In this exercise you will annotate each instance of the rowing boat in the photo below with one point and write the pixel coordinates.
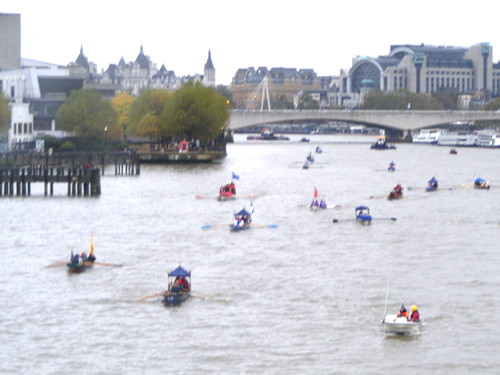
(179, 286)
(363, 215)
(242, 220)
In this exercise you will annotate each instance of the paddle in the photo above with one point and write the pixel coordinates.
(375, 218)
(210, 297)
(151, 296)
(214, 226)
(56, 264)
(107, 264)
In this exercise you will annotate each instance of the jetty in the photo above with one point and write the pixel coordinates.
(80, 181)
(124, 162)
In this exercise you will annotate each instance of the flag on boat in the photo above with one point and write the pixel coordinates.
(235, 176)
(92, 244)
(315, 193)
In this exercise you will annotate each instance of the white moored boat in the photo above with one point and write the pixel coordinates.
(458, 139)
(428, 136)
(400, 325)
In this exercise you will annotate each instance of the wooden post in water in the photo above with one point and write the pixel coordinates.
(95, 181)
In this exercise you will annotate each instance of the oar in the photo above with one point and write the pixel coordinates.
(213, 226)
(107, 264)
(151, 296)
(385, 218)
(56, 264)
(210, 297)
(264, 226)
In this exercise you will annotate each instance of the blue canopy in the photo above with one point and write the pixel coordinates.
(432, 180)
(243, 212)
(479, 180)
(362, 208)
(179, 271)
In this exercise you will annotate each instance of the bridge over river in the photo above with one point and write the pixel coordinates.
(401, 122)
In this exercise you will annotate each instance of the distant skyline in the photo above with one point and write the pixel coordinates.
(318, 34)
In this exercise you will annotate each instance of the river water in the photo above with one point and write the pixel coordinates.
(306, 297)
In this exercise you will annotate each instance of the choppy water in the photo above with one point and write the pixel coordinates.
(304, 298)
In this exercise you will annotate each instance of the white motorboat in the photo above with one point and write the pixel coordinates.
(428, 136)
(400, 325)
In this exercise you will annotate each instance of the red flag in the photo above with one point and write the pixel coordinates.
(315, 193)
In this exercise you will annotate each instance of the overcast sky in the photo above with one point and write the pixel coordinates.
(323, 35)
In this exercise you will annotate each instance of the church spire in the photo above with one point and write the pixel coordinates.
(209, 71)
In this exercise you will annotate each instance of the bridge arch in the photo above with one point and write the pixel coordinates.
(399, 121)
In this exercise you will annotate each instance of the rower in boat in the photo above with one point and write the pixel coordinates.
(242, 219)
(310, 158)
(179, 286)
(363, 215)
(391, 167)
(480, 183)
(432, 184)
(317, 204)
(318, 150)
(80, 262)
(227, 191)
(453, 151)
(396, 193)
(403, 323)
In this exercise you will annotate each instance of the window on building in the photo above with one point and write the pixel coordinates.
(14, 129)
(12, 91)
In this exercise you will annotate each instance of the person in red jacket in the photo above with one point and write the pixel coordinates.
(415, 315)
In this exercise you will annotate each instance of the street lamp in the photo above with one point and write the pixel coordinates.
(105, 138)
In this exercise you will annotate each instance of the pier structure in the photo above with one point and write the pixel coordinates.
(80, 181)
(125, 163)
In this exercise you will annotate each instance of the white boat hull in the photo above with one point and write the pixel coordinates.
(400, 325)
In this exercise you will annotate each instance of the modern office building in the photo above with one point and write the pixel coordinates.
(423, 69)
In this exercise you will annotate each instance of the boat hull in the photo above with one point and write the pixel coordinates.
(226, 197)
(174, 298)
(237, 228)
(78, 268)
(393, 324)
(364, 219)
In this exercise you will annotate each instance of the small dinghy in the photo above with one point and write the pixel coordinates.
(402, 323)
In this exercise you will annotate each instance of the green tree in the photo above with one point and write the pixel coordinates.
(89, 116)
(448, 98)
(281, 102)
(306, 101)
(493, 105)
(224, 91)
(4, 114)
(196, 111)
(145, 114)
(400, 99)
(122, 104)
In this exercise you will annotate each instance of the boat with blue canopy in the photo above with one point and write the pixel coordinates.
(432, 185)
(481, 183)
(179, 286)
(363, 215)
(242, 219)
